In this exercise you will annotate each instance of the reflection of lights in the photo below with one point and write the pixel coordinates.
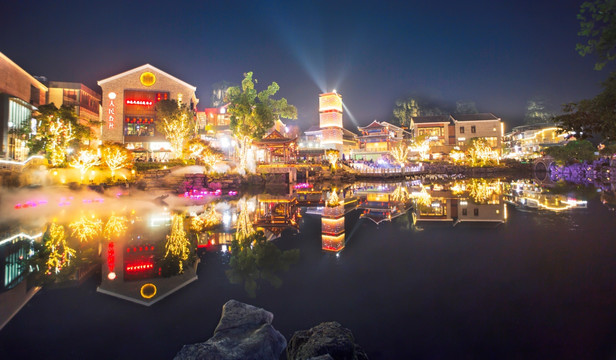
(160, 219)
(148, 291)
(243, 227)
(226, 218)
(116, 226)
(223, 248)
(85, 229)
(21, 235)
(59, 251)
(333, 200)
(177, 243)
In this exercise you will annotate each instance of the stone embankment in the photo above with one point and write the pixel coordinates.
(246, 332)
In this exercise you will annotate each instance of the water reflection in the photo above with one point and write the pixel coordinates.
(145, 253)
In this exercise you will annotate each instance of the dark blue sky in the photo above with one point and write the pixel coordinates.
(498, 54)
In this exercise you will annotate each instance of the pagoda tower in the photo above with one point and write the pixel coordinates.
(330, 120)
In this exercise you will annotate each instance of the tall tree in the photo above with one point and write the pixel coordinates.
(177, 123)
(219, 93)
(536, 112)
(253, 113)
(598, 25)
(595, 116)
(56, 131)
(466, 107)
(415, 106)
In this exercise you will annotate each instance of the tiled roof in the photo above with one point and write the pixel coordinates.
(474, 117)
(431, 119)
(373, 125)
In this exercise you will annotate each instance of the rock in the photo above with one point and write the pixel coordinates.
(328, 338)
(244, 332)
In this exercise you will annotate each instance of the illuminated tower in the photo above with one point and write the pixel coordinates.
(330, 120)
(332, 228)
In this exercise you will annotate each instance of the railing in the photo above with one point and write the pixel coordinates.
(365, 169)
(17, 165)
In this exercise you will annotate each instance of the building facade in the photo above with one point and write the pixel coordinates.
(129, 106)
(84, 100)
(447, 132)
(20, 95)
(527, 141)
(379, 138)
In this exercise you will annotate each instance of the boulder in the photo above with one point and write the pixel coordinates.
(326, 339)
(244, 332)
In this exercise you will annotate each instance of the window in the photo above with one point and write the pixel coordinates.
(464, 212)
(461, 129)
(476, 212)
(473, 129)
(134, 126)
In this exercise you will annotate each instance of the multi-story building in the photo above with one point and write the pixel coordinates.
(378, 138)
(448, 131)
(330, 134)
(527, 141)
(482, 125)
(20, 94)
(84, 100)
(129, 107)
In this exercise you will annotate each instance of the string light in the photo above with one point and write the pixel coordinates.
(59, 251)
(59, 135)
(177, 244)
(115, 226)
(85, 229)
(332, 200)
(84, 161)
(400, 154)
(176, 131)
(115, 157)
(243, 227)
(332, 157)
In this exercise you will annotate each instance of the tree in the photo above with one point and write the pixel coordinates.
(201, 150)
(253, 113)
(596, 116)
(177, 124)
(481, 153)
(84, 160)
(405, 110)
(400, 153)
(332, 156)
(574, 151)
(116, 156)
(410, 107)
(536, 113)
(598, 24)
(56, 131)
(219, 92)
(466, 107)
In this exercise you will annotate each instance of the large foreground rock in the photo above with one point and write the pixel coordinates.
(327, 340)
(244, 332)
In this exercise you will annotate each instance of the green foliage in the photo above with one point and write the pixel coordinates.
(598, 25)
(252, 112)
(46, 114)
(574, 151)
(255, 258)
(596, 116)
(415, 106)
(144, 166)
(536, 112)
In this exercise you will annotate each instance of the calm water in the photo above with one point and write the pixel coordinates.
(466, 269)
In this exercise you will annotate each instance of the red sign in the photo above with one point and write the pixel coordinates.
(139, 102)
(111, 113)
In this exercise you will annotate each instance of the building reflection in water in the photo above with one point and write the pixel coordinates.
(137, 264)
(150, 260)
(525, 194)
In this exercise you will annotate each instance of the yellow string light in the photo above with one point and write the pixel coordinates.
(85, 229)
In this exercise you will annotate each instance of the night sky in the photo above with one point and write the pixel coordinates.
(497, 54)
